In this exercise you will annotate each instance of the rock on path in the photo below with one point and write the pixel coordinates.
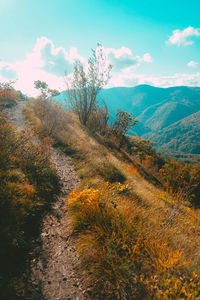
(53, 273)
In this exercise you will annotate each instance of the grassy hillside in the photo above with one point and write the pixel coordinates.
(136, 239)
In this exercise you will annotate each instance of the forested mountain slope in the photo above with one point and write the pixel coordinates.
(183, 136)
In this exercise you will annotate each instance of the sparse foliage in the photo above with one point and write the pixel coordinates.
(183, 179)
(46, 93)
(123, 122)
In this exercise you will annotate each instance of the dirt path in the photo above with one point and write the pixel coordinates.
(53, 267)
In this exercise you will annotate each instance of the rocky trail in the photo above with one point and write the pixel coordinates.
(53, 267)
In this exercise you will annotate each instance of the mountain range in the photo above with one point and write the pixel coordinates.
(170, 117)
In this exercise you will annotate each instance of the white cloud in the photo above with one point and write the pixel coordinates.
(182, 37)
(122, 59)
(132, 79)
(193, 64)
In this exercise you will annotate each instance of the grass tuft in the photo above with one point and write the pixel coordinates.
(110, 173)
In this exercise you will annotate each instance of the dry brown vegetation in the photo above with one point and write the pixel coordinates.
(8, 95)
(137, 240)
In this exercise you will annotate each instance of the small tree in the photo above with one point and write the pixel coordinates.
(46, 93)
(123, 122)
(8, 95)
(86, 83)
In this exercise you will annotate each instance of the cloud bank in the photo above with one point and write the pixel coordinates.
(178, 79)
(183, 37)
(49, 63)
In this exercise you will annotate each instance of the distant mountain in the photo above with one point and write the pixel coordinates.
(154, 107)
(166, 115)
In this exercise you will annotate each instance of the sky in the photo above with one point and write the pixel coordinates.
(147, 42)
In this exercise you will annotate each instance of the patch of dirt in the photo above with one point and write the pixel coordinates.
(53, 267)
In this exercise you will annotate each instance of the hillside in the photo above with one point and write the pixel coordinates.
(134, 238)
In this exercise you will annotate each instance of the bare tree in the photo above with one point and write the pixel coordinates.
(86, 83)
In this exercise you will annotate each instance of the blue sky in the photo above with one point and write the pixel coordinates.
(153, 42)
